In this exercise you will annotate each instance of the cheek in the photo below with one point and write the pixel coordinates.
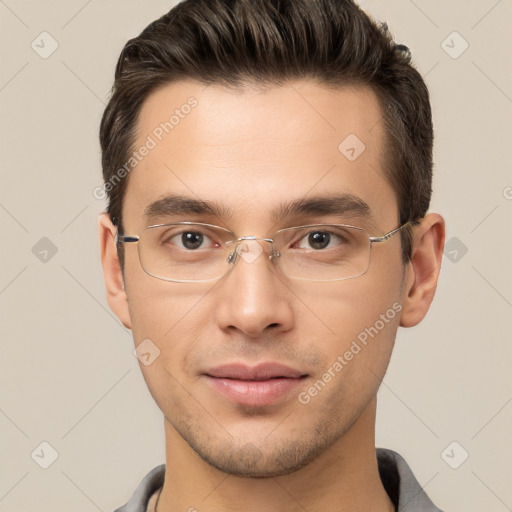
(158, 309)
(343, 309)
(355, 323)
(173, 317)
(355, 360)
(169, 323)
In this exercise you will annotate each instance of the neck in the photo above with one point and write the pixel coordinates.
(344, 478)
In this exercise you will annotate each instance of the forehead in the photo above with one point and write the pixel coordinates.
(251, 151)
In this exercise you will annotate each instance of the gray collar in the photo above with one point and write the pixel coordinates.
(397, 478)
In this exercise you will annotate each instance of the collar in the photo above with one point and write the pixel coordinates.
(396, 475)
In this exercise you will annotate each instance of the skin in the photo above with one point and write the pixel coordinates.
(250, 151)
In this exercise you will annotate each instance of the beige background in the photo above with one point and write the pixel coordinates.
(68, 376)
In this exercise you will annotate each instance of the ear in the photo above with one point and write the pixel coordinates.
(114, 281)
(422, 272)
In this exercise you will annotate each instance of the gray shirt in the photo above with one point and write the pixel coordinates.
(398, 480)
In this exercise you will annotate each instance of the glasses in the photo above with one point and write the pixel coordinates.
(185, 252)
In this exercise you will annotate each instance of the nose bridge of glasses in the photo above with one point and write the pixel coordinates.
(249, 252)
(253, 237)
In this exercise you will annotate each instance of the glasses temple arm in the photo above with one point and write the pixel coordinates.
(391, 233)
(120, 239)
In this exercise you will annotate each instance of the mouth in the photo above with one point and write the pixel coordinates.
(254, 386)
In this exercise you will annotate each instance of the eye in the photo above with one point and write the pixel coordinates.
(188, 240)
(319, 240)
(192, 239)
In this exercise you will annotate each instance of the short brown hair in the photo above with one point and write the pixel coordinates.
(271, 42)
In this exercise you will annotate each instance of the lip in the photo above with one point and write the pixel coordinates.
(254, 386)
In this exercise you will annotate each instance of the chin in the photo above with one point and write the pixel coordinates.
(261, 460)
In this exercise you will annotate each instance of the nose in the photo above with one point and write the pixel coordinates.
(254, 297)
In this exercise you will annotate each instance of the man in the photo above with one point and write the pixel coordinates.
(269, 166)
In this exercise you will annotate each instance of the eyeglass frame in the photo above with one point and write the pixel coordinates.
(120, 239)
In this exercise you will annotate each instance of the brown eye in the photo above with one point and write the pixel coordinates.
(319, 240)
(192, 239)
(186, 240)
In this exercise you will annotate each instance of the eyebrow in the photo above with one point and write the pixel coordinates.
(344, 205)
(180, 205)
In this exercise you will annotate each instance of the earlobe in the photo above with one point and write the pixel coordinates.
(422, 272)
(114, 282)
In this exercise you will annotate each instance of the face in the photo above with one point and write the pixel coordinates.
(260, 373)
